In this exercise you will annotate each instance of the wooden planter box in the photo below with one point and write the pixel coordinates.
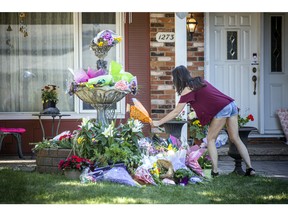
(47, 160)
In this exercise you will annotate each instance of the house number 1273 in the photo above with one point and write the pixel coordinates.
(165, 36)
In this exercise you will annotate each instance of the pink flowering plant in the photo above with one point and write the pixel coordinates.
(74, 162)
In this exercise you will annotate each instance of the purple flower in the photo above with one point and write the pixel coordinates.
(107, 36)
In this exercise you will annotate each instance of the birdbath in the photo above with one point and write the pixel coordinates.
(102, 99)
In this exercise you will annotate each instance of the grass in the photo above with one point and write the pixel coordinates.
(19, 187)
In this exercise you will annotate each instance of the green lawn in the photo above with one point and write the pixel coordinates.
(18, 187)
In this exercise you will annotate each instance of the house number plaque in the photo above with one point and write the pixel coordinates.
(165, 37)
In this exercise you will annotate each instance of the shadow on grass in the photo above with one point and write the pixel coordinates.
(20, 187)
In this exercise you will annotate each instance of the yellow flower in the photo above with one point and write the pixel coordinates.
(80, 140)
(118, 39)
(100, 44)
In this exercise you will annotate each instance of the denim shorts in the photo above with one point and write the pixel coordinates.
(228, 111)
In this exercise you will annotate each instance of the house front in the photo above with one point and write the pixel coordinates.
(242, 54)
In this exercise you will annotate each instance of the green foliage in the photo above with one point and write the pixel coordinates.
(66, 144)
(181, 173)
(111, 144)
(242, 121)
(205, 161)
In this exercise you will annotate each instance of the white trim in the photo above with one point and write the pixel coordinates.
(206, 47)
(181, 59)
(261, 76)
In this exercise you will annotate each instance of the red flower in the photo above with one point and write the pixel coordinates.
(250, 117)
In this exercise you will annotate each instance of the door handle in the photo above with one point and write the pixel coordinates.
(254, 79)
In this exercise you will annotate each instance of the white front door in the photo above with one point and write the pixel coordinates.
(275, 69)
(233, 59)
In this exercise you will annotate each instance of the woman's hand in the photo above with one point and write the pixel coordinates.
(155, 123)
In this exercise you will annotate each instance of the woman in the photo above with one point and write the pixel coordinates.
(211, 106)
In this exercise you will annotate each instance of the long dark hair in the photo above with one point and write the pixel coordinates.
(182, 78)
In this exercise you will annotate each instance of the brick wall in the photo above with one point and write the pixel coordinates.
(162, 61)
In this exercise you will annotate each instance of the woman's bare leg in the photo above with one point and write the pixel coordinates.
(233, 131)
(214, 128)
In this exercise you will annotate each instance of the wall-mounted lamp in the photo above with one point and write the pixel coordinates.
(191, 25)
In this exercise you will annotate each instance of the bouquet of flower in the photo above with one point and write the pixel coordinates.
(74, 162)
(103, 42)
(243, 121)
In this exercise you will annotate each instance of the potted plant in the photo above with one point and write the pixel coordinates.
(49, 98)
(182, 176)
(73, 166)
(197, 131)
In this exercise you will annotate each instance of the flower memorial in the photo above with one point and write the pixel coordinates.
(143, 160)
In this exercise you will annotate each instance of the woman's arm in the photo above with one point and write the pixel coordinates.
(173, 114)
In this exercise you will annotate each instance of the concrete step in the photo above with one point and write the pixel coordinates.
(260, 149)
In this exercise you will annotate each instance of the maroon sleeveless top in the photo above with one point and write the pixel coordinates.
(206, 102)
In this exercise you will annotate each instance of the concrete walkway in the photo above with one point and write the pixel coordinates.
(277, 169)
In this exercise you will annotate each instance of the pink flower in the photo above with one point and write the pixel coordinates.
(122, 85)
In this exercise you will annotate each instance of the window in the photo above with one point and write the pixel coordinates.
(276, 44)
(232, 45)
(37, 49)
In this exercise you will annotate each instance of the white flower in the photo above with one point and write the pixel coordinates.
(135, 125)
(108, 132)
(192, 115)
(86, 122)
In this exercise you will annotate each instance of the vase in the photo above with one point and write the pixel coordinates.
(233, 152)
(72, 174)
(174, 127)
(49, 107)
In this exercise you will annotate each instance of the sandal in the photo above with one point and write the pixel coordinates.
(213, 174)
(250, 172)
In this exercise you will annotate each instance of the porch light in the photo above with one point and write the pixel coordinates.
(191, 25)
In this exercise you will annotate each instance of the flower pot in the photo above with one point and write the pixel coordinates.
(72, 174)
(49, 107)
(48, 104)
(174, 128)
(233, 152)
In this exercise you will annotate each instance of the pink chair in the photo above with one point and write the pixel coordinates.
(17, 133)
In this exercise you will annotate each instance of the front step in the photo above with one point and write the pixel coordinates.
(260, 149)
